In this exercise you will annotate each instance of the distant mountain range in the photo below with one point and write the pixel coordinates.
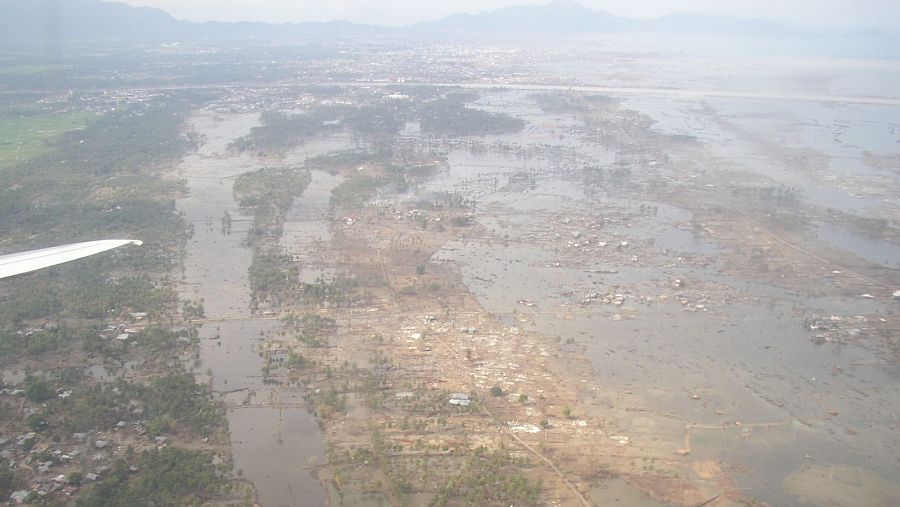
(45, 23)
(36, 23)
(558, 16)
(570, 17)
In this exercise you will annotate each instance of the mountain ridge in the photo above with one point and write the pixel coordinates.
(35, 23)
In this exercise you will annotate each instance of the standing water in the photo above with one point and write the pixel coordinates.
(276, 442)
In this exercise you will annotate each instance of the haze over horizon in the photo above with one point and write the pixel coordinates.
(832, 13)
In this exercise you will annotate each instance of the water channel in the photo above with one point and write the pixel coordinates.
(276, 442)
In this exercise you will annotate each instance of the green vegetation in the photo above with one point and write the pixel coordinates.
(356, 189)
(569, 103)
(385, 119)
(169, 476)
(24, 136)
(51, 295)
(270, 192)
(7, 481)
(273, 277)
(280, 131)
(337, 292)
(329, 402)
(271, 273)
(382, 449)
(348, 159)
(104, 181)
(402, 459)
(360, 186)
(489, 479)
(37, 390)
(15, 344)
(99, 182)
(171, 403)
(451, 117)
(83, 291)
(272, 188)
(178, 397)
(96, 182)
(312, 329)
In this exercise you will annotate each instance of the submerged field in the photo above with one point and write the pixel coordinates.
(502, 293)
(620, 319)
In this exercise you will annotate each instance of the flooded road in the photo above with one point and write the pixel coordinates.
(276, 442)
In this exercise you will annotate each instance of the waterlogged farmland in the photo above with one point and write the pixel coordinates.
(368, 285)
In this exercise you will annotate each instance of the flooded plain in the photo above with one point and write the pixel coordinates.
(718, 366)
(696, 362)
(276, 442)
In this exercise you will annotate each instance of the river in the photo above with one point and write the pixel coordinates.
(276, 441)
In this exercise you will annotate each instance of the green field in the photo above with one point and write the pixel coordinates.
(23, 137)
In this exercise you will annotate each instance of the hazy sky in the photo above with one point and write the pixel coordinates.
(393, 12)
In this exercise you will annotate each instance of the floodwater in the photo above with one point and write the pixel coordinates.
(276, 442)
(770, 402)
(875, 250)
(730, 370)
(306, 227)
(819, 149)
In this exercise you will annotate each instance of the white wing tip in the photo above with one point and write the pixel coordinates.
(26, 262)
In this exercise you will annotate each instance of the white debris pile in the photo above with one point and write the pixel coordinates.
(517, 427)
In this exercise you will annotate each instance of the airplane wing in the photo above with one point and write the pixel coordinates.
(26, 262)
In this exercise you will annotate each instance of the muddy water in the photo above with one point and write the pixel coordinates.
(306, 228)
(276, 442)
(875, 250)
(819, 149)
(730, 365)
